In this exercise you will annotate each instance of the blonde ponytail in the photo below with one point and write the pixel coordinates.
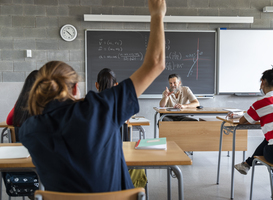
(55, 80)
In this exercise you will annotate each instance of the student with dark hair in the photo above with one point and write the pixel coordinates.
(16, 117)
(20, 113)
(106, 79)
(261, 110)
(76, 144)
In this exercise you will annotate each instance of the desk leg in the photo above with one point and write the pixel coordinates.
(9, 136)
(169, 183)
(141, 131)
(1, 185)
(155, 124)
(232, 165)
(179, 176)
(130, 129)
(220, 151)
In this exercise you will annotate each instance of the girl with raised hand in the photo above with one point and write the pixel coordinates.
(75, 144)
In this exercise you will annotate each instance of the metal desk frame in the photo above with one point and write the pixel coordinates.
(177, 172)
(227, 130)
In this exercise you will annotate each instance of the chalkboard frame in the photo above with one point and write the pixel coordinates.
(159, 95)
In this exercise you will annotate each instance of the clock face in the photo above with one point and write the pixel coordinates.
(68, 32)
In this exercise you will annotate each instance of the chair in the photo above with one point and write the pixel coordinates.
(131, 194)
(9, 132)
(260, 160)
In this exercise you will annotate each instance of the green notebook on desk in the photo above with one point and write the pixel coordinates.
(157, 143)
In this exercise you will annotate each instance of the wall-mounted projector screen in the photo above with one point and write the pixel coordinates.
(243, 56)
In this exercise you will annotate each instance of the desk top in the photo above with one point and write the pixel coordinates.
(141, 121)
(232, 121)
(15, 163)
(174, 155)
(194, 110)
(4, 125)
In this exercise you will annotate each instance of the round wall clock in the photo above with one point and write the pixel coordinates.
(68, 32)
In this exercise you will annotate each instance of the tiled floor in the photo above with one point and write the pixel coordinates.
(200, 178)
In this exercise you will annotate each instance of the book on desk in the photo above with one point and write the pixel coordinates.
(155, 143)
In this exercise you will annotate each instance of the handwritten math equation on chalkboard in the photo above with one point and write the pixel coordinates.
(191, 54)
(174, 60)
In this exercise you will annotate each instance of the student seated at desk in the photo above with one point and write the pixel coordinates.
(261, 110)
(19, 113)
(178, 96)
(106, 79)
(16, 117)
(75, 144)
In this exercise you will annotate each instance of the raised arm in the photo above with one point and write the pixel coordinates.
(154, 61)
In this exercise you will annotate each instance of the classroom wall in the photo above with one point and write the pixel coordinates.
(35, 25)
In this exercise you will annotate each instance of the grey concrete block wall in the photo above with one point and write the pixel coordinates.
(35, 25)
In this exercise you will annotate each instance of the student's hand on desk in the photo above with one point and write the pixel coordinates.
(167, 93)
(180, 106)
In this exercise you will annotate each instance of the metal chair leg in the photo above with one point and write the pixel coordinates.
(252, 178)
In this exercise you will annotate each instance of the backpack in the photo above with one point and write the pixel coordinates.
(21, 183)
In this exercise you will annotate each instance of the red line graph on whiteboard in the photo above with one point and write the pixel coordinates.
(195, 58)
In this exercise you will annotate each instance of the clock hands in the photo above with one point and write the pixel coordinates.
(69, 33)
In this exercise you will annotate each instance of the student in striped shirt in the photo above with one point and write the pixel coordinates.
(261, 110)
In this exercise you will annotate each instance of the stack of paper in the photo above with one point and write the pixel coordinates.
(12, 152)
(138, 120)
(234, 113)
(157, 143)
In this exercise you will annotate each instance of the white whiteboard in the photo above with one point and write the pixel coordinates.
(243, 56)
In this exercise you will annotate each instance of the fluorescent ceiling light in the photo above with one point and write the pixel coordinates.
(268, 9)
(172, 19)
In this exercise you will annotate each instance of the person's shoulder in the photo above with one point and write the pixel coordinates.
(185, 89)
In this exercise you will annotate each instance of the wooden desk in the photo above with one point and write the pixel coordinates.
(164, 112)
(231, 126)
(197, 135)
(168, 159)
(15, 165)
(153, 159)
(137, 123)
(11, 132)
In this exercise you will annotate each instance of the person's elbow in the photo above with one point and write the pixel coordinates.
(159, 63)
(161, 105)
(242, 120)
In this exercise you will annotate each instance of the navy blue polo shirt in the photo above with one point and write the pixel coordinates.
(77, 147)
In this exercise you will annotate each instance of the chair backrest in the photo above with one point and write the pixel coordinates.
(131, 194)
